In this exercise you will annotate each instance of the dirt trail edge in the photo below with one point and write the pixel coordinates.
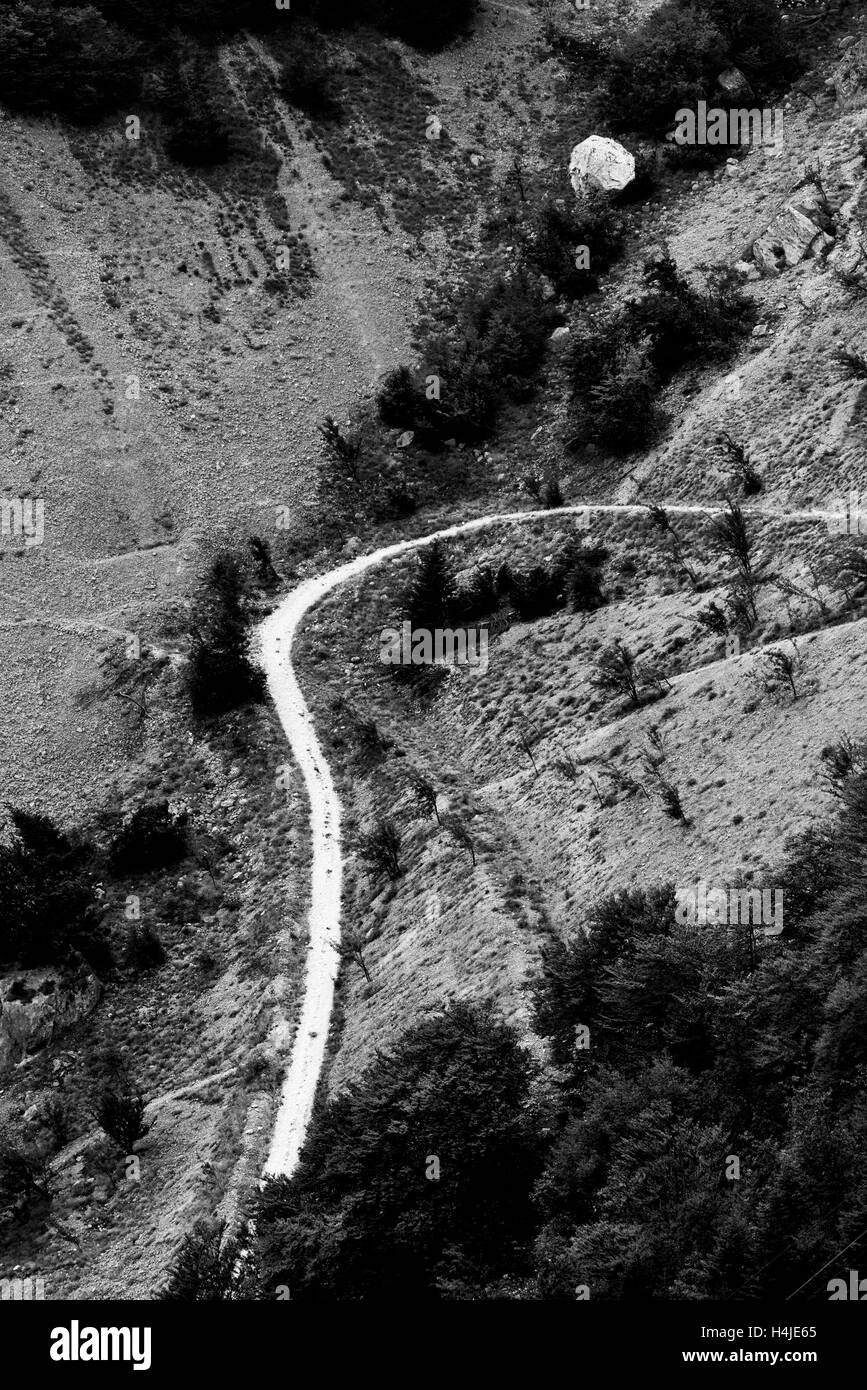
(276, 635)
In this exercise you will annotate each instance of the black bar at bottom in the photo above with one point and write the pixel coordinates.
(449, 1340)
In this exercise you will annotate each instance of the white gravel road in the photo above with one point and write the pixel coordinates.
(276, 635)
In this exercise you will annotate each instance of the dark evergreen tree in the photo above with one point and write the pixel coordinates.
(220, 675)
(416, 1177)
(210, 1267)
(47, 901)
(431, 596)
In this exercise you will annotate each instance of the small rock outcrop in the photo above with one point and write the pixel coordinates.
(849, 78)
(802, 228)
(734, 85)
(36, 1005)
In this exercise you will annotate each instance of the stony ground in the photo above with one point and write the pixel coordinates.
(158, 395)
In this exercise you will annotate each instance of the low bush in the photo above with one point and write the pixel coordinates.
(119, 1110)
(49, 907)
(559, 229)
(674, 58)
(144, 949)
(150, 837)
(621, 359)
(490, 355)
(210, 1267)
(305, 75)
(25, 1173)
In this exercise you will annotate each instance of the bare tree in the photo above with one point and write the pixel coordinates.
(733, 535)
(459, 832)
(847, 570)
(778, 669)
(621, 781)
(841, 760)
(209, 847)
(813, 595)
(127, 680)
(345, 448)
(662, 521)
(25, 1173)
(657, 751)
(526, 738)
(617, 672)
(567, 767)
(351, 947)
(663, 786)
(854, 275)
(595, 785)
(425, 793)
(381, 848)
(738, 459)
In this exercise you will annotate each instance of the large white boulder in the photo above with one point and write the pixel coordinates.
(600, 163)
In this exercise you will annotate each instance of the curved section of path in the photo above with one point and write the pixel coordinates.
(276, 636)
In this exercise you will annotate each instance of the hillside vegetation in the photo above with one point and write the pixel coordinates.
(283, 286)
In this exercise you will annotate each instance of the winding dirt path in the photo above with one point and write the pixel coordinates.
(276, 635)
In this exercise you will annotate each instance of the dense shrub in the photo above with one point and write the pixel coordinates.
(144, 950)
(87, 61)
(668, 63)
(150, 837)
(700, 1136)
(414, 1182)
(211, 1266)
(220, 675)
(196, 103)
(491, 354)
(434, 599)
(727, 1037)
(305, 76)
(47, 902)
(64, 59)
(426, 24)
(558, 229)
(119, 1110)
(682, 324)
(621, 411)
(620, 359)
(674, 58)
